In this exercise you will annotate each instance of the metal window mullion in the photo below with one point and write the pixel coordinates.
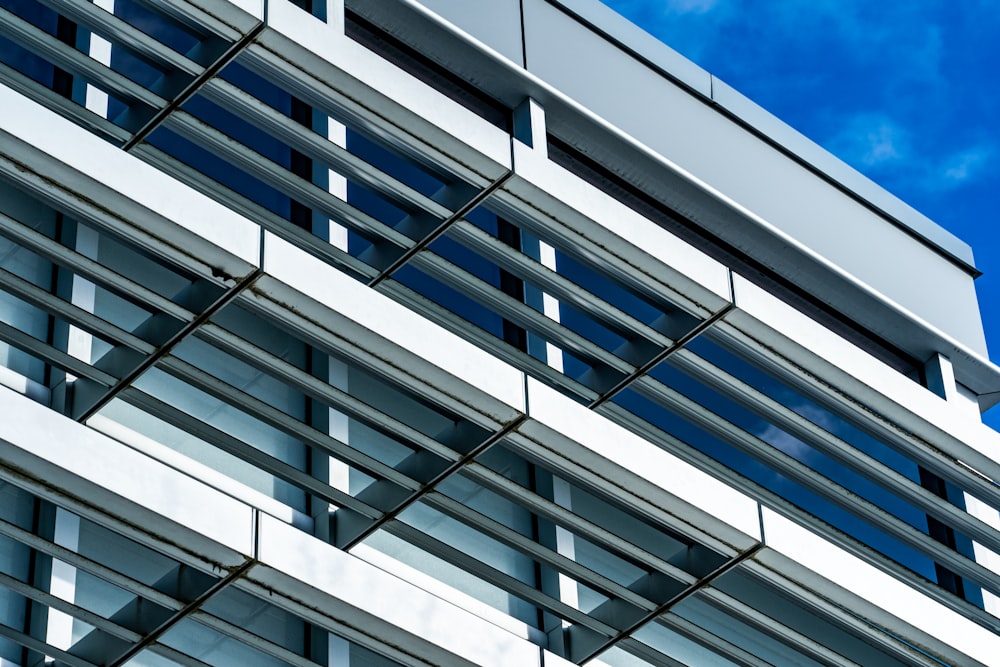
(246, 452)
(554, 284)
(88, 268)
(203, 598)
(123, 34)
(45, 45)
(573, 522)
(566, 239)
(838, 449)
(493, 344)
(282, 179)
(720, 471)
(501, 580)
(790, 467)
(320, 149)
(322, 391)
(280, 420)
(32, 644)
(77, 612)
(53, 356)
(517, 311)
(515, 540)
(84, 319)
(677, 599)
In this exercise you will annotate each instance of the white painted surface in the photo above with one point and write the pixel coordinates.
(393, 322)
(705, 499)
(865, 378)
(847, 572)
(632, 236)
(62, 580)
(145, 185)
(403, 100)
(199, 471)
(93, 459)
(400, 603)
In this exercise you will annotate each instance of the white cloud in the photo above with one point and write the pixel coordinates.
(881, 144)
(887, 151)
(690, 6)
(966, 164)
(871, 140)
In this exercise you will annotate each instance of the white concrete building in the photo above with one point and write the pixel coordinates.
(452, 332)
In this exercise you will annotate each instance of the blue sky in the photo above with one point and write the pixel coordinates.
(904, 91)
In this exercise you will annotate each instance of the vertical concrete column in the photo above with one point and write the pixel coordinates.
(96, 100)
(940, 376)
(338, 425)
(79, 344)
(529, 126)
(62, 583)
(82, 292)
(529, 129)
(333, 371)
(335, 15)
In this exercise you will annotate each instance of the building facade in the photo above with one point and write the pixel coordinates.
(399, 332)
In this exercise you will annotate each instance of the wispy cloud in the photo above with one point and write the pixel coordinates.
(870, 139)
(649, 12)
(968, 164)
(690, 6)
(886, 150)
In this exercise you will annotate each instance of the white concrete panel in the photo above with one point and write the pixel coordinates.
(619, 230)
(844, 572)
(24, 385)
(610, 452)
(443, 350)
(197, 470)
(985, 557)
(550, 659)
(177, 216)
(254, 8)
(415, 613)
(239, 16)
(433, 121)
(441, 589)
(90, 467)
